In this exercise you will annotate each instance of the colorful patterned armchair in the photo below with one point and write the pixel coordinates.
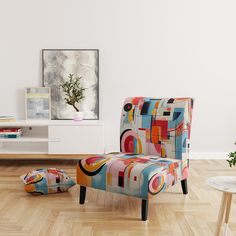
(154, 143)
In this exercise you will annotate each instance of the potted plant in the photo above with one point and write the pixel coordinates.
(74, 93)
(232, 158)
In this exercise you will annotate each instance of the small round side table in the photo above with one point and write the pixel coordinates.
(227, 185)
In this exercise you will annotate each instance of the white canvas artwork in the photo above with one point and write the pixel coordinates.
(37, 103)
(84, 63)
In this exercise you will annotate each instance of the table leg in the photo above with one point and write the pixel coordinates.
(221, 213)
(228, 207)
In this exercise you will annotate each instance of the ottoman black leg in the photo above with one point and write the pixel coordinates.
(184, 186)
(82, 194)
(144, 213)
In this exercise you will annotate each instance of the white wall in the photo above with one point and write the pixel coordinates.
(147, 48)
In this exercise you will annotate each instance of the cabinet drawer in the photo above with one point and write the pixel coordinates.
(84, 139)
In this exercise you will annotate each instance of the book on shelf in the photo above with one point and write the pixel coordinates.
(4, 130)
(7, 119)
(8, 133)
(8, 136)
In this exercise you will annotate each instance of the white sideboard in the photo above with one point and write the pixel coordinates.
(55, 137)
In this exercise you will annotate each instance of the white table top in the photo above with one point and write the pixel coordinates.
(223, 183)
(25, 123)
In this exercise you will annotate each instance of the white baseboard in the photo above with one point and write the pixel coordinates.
(202, 155)
(208, 155)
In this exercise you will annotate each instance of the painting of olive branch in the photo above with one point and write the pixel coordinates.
(73, 77)
(73, 90)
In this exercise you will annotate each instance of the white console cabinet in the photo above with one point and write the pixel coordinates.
(55, 137)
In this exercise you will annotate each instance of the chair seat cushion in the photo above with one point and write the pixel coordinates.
(48, 180)
(136, 175)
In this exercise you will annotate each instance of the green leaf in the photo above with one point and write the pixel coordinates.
(232, 159)
(73, 90)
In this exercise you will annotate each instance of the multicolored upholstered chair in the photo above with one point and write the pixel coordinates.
(154, 143)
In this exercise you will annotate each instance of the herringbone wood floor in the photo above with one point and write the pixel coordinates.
(171, 213)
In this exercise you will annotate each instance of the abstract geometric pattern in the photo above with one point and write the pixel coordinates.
(45, 181)
(157, 126)
(136, 175)
(154, 142)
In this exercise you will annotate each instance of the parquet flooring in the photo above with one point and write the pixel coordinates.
(107, 214)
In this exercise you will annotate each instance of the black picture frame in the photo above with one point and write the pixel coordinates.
(97, 75)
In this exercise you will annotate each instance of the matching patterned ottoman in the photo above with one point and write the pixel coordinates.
(47, 180)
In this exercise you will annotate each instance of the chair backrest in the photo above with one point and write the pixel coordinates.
(155, 126)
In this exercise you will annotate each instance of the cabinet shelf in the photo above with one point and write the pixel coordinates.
(24, 139)
(54, 137)
(21, 151)
(24, 148)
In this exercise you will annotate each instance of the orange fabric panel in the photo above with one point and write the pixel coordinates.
(81, 178)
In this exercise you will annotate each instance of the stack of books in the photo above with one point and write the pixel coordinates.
(7, 119)
(10, 133)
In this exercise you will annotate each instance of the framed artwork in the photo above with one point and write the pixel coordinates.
(38, 104)
(81, 65)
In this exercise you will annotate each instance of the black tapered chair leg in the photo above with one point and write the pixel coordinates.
(184, 186)
(144, 212)
(82, 194)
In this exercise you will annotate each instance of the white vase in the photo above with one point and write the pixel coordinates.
(78, 116)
